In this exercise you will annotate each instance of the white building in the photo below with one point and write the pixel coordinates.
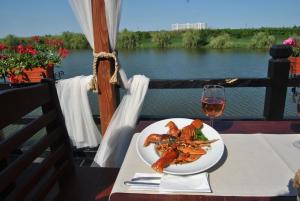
(199, 25)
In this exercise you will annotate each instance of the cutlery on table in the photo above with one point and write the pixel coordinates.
(143, 181)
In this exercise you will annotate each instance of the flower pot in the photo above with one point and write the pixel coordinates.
(295, 65)
(34, 75)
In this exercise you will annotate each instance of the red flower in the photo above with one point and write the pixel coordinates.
(26, 50)
(48, 41)
(31, 50)
(60, 42)
(28, 47)
(2, 47)
(35, 39)
(54, 42)
(33, 53)
(63, 52)
(21, 49)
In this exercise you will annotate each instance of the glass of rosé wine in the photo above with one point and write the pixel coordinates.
(213, 101)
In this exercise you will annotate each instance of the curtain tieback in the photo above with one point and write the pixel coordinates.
(104, 55)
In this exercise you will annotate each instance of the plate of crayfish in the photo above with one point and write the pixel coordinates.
(180, 146)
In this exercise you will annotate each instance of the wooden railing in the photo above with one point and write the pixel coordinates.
(276, 83)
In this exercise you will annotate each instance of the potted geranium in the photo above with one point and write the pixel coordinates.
(31, 61)
(295, 57)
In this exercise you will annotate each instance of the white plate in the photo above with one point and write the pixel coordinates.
(149, 155)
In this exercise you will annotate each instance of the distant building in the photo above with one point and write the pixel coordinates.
(200, 25)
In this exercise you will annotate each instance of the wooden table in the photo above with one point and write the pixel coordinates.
(226, 126)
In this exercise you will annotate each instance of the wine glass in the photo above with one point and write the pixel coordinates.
(297, 143)
(213, 101)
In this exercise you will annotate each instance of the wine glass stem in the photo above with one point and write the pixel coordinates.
(211, 121)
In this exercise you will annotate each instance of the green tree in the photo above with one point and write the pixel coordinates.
(67, 38)
(221, 41)
(262, 40)
(194, 39)
(161, 39)
(142, 36)
(128, 39)
(78, 41)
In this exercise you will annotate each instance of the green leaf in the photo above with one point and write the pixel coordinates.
(199, 135)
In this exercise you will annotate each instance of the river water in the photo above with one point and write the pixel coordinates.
(188, 64)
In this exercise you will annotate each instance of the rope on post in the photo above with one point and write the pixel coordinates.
(104, 55)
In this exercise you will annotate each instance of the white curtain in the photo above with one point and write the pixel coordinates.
(118, 134)
(72, 95)
(83, 12)
(113, 14)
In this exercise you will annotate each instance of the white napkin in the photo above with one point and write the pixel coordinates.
(190, 183)
(175, 183)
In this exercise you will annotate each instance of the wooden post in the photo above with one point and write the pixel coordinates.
(106, 91)
(278, 72)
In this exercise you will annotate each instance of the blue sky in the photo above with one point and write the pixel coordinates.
(40, 17)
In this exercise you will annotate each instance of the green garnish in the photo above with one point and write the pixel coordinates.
(199, 135)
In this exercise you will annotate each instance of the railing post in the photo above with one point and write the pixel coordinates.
(278, 72)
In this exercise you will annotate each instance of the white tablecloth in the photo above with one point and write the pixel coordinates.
(252, 165)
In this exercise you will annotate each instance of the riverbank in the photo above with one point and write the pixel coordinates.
(252, 38)
(177, 42)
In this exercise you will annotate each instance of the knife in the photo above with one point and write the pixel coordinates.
(129, 183)
(145, 178)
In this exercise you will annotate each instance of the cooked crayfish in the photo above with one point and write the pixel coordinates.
(178, 145)
(158, 138)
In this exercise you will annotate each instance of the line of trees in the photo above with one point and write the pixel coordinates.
(71, 40)
(210, 38)
(261, 38)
